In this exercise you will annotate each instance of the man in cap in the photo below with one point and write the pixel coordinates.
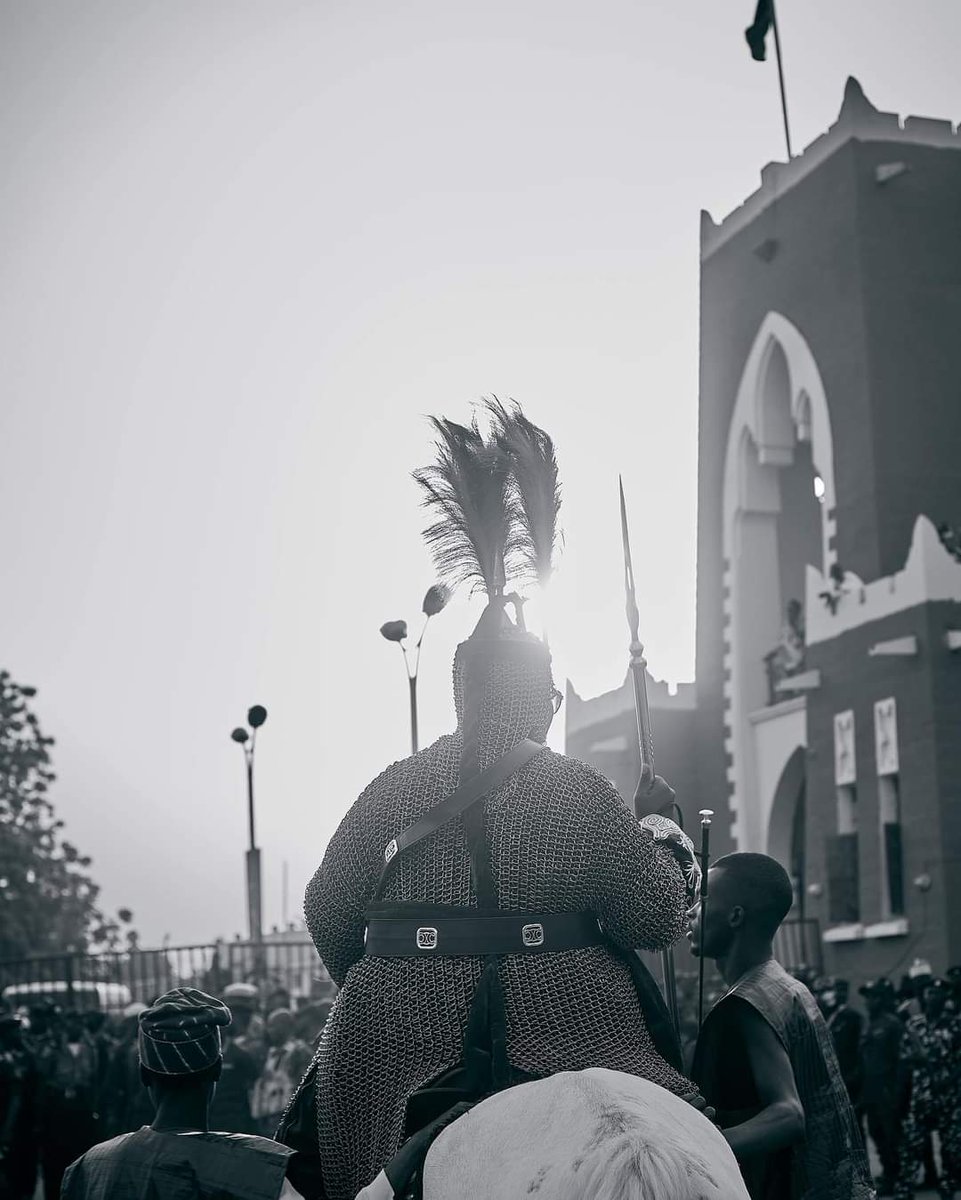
(70, 1100)
(764, 1057)
(18, 1112)
(288, 1058)
(245, 1053)
(243, 999)
(912, 997)
(953, 976)
(845, 1024)
(881, 1075)
(177, 1155)
(934, 1048)
(127, 1102)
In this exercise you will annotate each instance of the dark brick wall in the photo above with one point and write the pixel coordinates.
(674, 751)
(871, 276)
(946, 707)
(927, 689)
(815, 225)
(910, 250)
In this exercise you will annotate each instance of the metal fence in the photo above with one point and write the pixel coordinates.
(111, 981)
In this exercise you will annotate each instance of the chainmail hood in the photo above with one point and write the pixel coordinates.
(503, 692)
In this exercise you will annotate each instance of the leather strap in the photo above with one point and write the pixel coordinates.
(479, 933)
(458, 802)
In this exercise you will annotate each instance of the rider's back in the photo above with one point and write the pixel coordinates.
(560, 840)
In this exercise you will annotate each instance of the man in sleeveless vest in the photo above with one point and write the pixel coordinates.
(765, 1058)
(480, 903)
(178, 1155)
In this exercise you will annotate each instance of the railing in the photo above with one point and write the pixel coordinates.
(111, 981)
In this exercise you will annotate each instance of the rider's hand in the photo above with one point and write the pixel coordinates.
(696, 1100)
(653, 793)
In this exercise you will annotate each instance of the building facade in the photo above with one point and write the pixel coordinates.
(825, 723)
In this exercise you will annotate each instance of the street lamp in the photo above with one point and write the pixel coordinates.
(255, 718)
(435, 601)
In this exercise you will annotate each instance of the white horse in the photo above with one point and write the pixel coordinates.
(579, 1135)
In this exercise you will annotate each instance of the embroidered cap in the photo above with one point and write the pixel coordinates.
(180, 1032)
(242, 995)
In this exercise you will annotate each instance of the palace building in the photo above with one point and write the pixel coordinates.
(824, 725)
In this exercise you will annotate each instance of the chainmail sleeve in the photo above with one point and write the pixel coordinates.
(336, 899)
(638, 885)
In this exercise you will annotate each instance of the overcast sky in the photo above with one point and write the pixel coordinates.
(245, 248)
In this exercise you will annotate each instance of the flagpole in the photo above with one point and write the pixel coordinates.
(780, 76)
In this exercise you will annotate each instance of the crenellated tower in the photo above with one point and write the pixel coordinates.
(829, 437)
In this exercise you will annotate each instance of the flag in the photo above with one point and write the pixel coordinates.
(756, 34)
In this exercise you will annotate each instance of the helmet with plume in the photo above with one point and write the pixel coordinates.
(494, 502)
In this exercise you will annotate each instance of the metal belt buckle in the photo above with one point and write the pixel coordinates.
(533, 935)
(390, 850)
(427, 938)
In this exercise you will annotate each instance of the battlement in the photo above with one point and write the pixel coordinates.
(858, 119)
(930, 574)
(583, 713)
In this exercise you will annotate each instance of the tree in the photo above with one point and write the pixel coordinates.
(48, 902)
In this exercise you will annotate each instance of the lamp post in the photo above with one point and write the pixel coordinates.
(396, 631)
(255, 718)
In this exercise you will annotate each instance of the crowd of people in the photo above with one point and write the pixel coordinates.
(69, 1080)
(480, 908)
(901, 1065)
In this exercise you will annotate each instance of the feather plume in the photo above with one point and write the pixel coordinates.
(534, 482)
(467, 493)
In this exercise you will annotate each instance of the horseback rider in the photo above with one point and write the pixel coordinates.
(481, 902)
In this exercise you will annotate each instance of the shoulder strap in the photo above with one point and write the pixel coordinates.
(461, 799)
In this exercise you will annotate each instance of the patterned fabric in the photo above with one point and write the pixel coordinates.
(148, 1165)
(180, 1033)
(560, 840)
(830, 1164)
(663, 829)
(935, 1047)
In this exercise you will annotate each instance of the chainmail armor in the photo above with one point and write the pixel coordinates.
(561, 840)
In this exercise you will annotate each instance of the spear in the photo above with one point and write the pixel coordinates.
(705, 814)
(645, 736)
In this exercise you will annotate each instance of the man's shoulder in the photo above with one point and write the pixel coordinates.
(440, 759)
(784, 1002)
(103, 1157)
(111, 1149)
(770, 978)
(249, 1141)
(581, 780)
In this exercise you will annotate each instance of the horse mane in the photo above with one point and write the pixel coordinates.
(592, 1133)
(629, 1168)
(625, 1162)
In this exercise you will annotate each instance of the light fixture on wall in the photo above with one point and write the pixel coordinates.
(819, 489)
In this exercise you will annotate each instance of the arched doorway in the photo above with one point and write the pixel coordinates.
(787, 827)
(778, 500)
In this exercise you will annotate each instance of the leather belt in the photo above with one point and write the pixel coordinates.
(479, 933)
